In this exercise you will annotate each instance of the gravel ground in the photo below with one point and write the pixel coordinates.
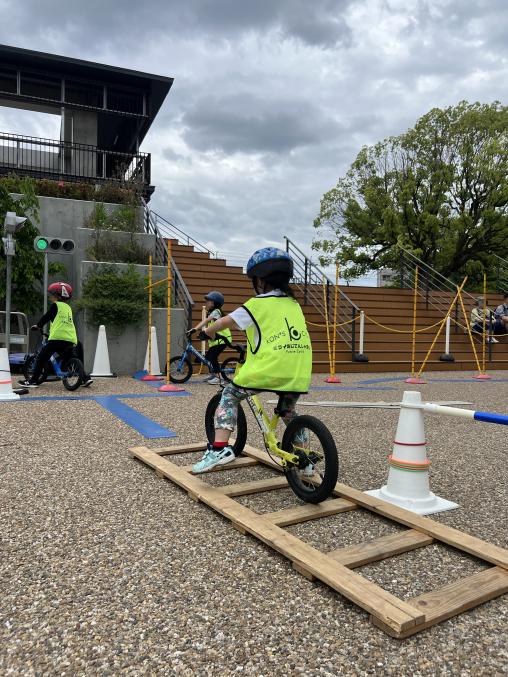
(107, 569)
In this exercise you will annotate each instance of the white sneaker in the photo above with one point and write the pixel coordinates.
(214, 381)
(213, 457)
(491, 339)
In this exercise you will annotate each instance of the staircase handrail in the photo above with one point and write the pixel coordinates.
(312, 278)
(501, 265)
(181, 292)
(181, 236)
(430, 280)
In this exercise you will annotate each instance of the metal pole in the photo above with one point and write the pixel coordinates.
(8, 302)
(362, 329)
(447, 336)
(45, 283)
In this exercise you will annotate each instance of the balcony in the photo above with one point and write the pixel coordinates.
(66, 161)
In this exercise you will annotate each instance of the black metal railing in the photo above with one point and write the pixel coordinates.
(181, 294)
(169, 229)
(435, 289)
(63, 160)
(501, 274)
(319, 291)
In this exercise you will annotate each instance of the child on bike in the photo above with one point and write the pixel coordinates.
(214, 302)
(62, 332)
(279, 353)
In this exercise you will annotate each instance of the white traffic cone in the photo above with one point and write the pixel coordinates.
(153, 369)
(101, 366)
(408, 477)
(6, 392)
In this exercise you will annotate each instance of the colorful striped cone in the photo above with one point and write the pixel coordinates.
(408, 477)
(6, 392)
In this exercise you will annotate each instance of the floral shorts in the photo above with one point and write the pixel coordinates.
(227, 412)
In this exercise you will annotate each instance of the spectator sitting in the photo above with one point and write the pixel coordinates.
(478, 323)
(501, 315)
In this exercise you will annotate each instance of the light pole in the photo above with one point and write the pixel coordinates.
(12, 223)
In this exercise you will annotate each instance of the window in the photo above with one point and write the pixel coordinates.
(8, 80)
(83, 93)
(41, 86)
(125, 100)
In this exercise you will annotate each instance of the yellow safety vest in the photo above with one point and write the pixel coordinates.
(279, 356)
(223, 332)
(62, 328)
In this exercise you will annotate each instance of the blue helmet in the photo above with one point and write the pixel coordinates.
(216, 297)
(269, 260)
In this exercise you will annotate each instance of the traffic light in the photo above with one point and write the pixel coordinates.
(53, 245)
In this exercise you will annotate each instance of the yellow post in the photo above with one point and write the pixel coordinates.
(414, 378)
(441, 325)
(150, 315)
(327, 326)
(168, 345)
(333, 378)
(484, 320)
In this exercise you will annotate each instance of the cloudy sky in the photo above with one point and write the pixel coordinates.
(272, 99)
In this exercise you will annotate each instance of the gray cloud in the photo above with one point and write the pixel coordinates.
(249, 124)
(272, 99)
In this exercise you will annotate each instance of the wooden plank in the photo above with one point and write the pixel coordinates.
(381, 548)
(176, 449)
(458, 539)
(440, 532)
(457, 597)
(393, 612)
(256, 487)
(309, 511)
(240, 462)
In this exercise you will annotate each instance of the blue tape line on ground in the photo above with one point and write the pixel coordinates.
(380, 380)
(487, 417)
(142, 424)
(350, 388)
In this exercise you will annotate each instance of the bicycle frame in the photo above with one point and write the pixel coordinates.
(189, 349)
(268, 427)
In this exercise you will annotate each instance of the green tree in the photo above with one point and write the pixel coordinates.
(27, 265)
(439, 190)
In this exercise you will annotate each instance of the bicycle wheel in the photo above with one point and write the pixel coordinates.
(314, 479)
(28, 370)
(228, 368)
(74, 373)
(241, 424)
(177, 374)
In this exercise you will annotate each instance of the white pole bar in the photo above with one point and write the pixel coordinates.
(362, 329)
(447, 336)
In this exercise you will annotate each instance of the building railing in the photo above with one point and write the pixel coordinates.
(67, 161)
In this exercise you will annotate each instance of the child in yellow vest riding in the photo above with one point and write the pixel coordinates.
(214, 302)
(279, 354)
(62, 332)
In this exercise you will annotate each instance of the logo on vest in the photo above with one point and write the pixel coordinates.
(294, 334)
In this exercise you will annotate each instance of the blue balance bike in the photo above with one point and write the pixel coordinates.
(66, 367)
(180, 368)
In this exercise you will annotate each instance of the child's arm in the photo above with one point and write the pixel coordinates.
(48, 317)
(202, 324)
(225, 322)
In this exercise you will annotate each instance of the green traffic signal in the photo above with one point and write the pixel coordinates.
(42, 244)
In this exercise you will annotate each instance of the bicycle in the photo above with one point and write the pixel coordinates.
(181, 369)
(68, 368)
(307, 454)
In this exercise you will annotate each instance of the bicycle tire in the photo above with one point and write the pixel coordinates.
(73, 370)
(28, 369)
(241, 424)
(229, 365)
(180, 376)
(311, 493)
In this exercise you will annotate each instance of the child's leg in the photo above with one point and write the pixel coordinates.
(286, 406)
(212, 355)
(227, 412)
